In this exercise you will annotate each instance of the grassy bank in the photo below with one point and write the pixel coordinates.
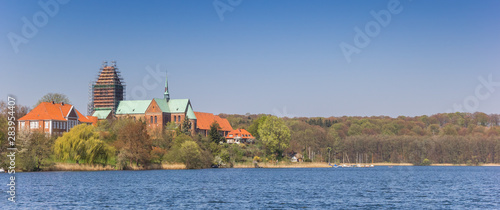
(85, 167)
(78, 167)
(180, 166)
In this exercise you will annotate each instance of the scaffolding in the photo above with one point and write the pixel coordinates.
(90, 105)
(107, 90)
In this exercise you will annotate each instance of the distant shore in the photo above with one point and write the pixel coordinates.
(180, 166)
(325, 165)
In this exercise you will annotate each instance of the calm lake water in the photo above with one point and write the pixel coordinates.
(324, 188)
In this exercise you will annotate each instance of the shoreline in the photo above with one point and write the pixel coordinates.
(325, 165)
(179, 166)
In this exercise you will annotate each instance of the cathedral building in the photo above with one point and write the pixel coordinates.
(156, 112)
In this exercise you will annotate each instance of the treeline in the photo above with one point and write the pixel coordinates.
(457, 138)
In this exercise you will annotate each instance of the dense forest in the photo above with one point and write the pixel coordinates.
(456, 138)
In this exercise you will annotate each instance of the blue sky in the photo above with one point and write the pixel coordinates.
(275, 57)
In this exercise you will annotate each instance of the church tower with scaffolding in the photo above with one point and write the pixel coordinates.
(107, 91)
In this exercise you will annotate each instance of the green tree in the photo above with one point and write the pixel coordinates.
(225, 156)
(35, 149)
(254, 128)
(191, 155)
(186, 126)
(82, 144)
(214, 134)
(354, 130)
(275, 135)
(55, 97)
(174, 154)
(426, 162)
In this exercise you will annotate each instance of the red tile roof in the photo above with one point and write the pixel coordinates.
(241, 133)
(93, 120)
(205, 120)
(50, 111)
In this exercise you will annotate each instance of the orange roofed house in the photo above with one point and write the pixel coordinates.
(205, 120)
(53, 119)
(239, 136)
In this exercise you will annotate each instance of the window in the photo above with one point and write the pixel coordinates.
(151, 120)
(46, 124)
(33, 125)
(230, 135)
(175, 118)
(156, 120)
(22, 124)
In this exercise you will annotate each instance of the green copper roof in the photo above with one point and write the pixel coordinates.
(133, 107)
(178, 105)
(162, 103)
(190, 113)
(101, 114)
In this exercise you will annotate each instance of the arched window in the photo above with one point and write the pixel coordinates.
(175, 118)
(155, 120)
(151, 120)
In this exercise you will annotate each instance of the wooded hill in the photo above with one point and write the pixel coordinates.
(457, 138)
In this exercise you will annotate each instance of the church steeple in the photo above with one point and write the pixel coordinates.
(166, 95)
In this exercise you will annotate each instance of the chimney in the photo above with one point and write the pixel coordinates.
(52, 102)
(62, 103)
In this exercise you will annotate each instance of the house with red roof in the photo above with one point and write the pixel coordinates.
(239, 136)
(54, 118)
(205, 120)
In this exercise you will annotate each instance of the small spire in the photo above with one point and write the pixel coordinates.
(166, 95)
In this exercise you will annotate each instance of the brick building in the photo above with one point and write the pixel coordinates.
(53, 119)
